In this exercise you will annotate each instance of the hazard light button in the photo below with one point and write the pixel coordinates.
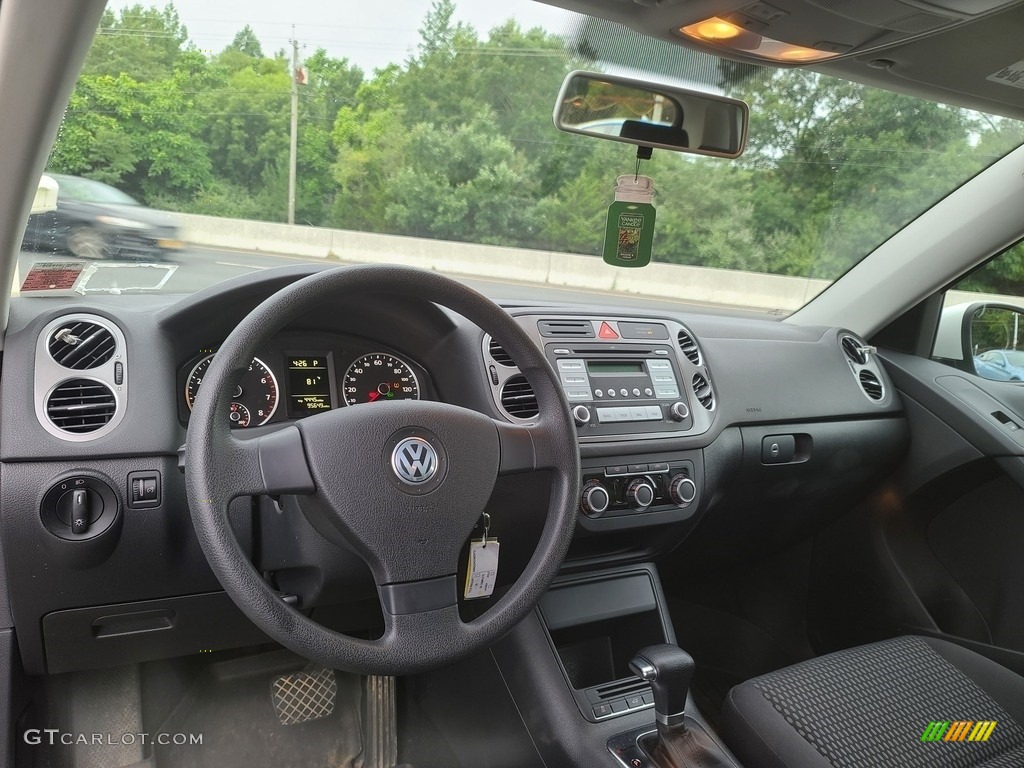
(607, 332)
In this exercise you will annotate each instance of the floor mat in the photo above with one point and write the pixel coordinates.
(230, 706)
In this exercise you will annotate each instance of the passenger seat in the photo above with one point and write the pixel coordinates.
(909, 701)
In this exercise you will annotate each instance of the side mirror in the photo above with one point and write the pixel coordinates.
(651, 115)
(984, 338)
(45, 199)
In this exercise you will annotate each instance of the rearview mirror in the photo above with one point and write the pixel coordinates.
(651, 115)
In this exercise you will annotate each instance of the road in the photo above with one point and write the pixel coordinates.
(198, 267)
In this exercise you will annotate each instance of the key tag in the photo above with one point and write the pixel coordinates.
(629, 234)
(482, 570)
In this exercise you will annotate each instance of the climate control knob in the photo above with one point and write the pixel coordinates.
(678, 411)
(581, 414)
(595, 499)
(682, 490)
(640, 494)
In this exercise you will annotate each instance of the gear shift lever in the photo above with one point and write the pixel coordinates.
(669, 670)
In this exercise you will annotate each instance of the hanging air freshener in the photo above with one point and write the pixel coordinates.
(629, 233)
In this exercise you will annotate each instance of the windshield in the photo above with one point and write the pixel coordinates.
(427, 139)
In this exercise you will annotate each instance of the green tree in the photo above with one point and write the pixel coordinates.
(142, 42)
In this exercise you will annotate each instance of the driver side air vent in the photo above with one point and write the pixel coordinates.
(80, 406)
(854, 350)
(703, 392)
(871, 385)
(688, 347)
(81, 345)
(499, 355)
(518, 399)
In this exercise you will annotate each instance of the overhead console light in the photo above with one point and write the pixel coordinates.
(722, 33)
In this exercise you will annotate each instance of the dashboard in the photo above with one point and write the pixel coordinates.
(703, 438)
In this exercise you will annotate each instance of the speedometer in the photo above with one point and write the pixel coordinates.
(379, 376)
(254, 400)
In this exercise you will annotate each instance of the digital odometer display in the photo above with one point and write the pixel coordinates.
(309, 385)
(377, 377)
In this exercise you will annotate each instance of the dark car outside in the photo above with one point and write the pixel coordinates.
(96, 221)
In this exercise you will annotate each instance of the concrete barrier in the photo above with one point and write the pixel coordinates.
(673, 281)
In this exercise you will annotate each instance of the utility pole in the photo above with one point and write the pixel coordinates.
(295, 129)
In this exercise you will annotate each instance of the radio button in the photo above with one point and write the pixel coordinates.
(570, 365)
(598, 393)
(636, 392)
(624, 392)
(649, 392)
(611, 393)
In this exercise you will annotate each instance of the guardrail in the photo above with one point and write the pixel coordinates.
(672, 281)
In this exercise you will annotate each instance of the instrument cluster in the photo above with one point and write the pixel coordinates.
(300, 375)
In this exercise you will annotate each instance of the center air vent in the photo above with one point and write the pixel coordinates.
(703, 392)
(871, 385)
(80, 406)
(499, 355)
(518, 399)
(81, 345)
(688, 347)
(566, 328)
(854, 350)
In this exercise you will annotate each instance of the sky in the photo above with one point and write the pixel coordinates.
(370, 34)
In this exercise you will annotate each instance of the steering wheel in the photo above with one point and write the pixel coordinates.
(404, 483)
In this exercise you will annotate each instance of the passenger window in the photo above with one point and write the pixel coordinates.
(981, 329)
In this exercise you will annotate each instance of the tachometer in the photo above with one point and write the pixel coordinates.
(379, 376)
(254, 399)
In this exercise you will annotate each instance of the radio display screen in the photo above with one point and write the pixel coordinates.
(309, 385)
(599, 368)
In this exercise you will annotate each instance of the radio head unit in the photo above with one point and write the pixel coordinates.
(619, 389)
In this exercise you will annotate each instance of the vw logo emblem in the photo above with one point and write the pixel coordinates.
(414, 460)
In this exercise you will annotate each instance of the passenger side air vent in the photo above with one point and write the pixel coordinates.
(518, 399)
(871, 385)
(688, 347)
(566, 328)
(703, 392)
(80, 406)
(854, 350)
(81, 345)
(499, 355)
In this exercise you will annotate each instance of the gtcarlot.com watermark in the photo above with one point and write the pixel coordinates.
(53, 736)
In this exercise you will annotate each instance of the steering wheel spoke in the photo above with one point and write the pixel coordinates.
(525, 448)
(273, 464)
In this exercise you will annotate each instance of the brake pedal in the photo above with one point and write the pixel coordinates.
(304, 696)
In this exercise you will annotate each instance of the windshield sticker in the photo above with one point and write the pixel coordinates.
(124, 278)
(52, 276)
(1012, 75)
